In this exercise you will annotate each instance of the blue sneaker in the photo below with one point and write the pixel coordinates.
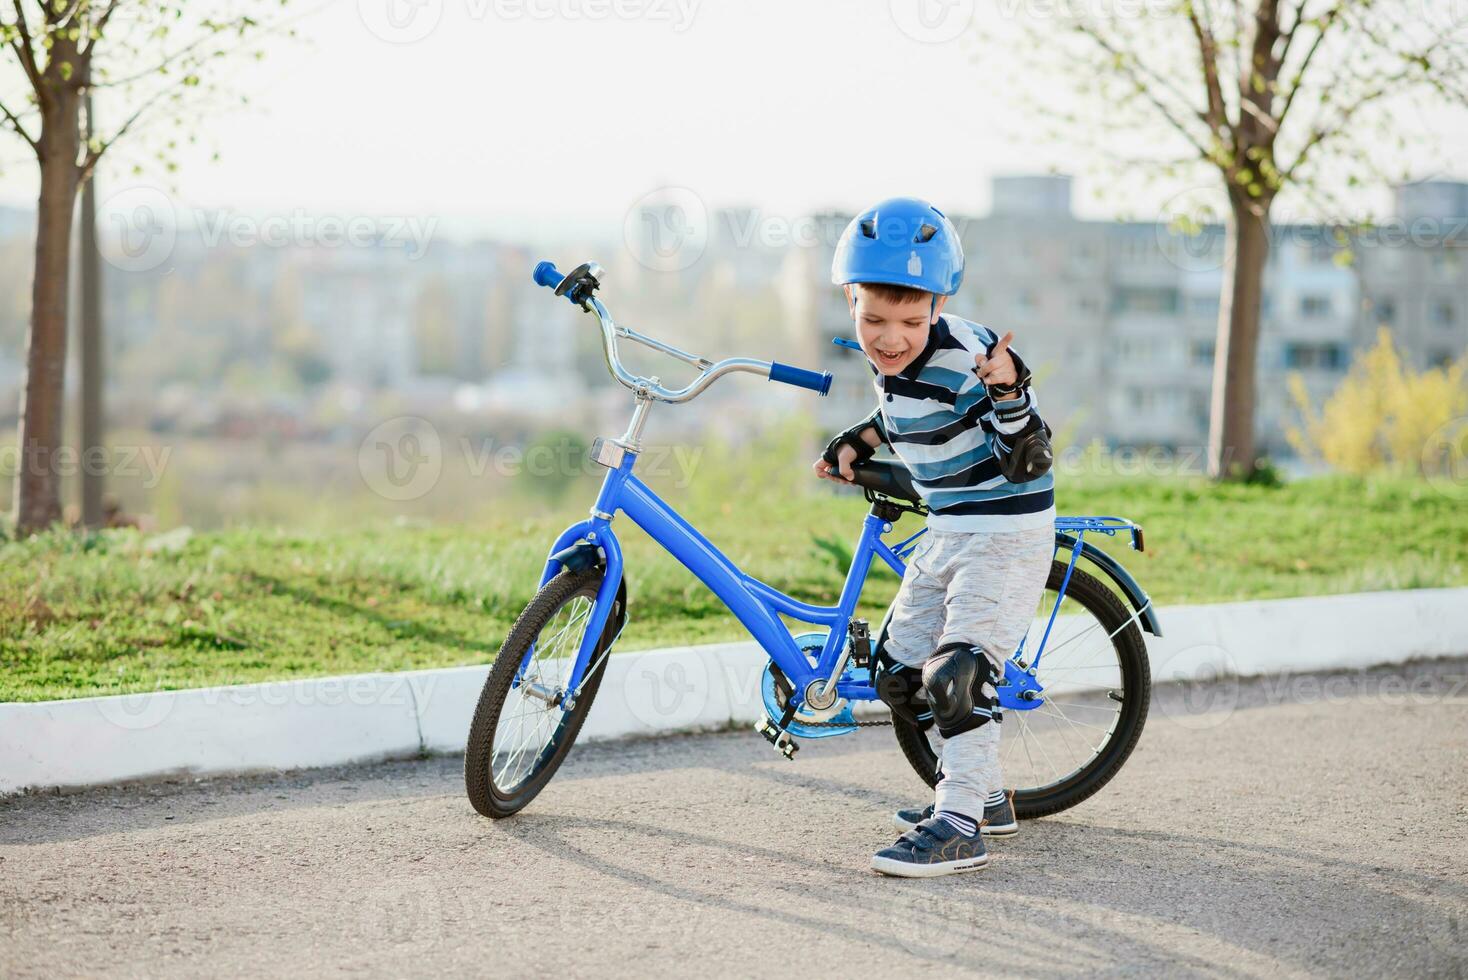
(999, 819)
(933, 848)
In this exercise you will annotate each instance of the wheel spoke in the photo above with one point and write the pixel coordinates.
(527, 726)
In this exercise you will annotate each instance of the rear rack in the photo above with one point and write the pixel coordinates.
(1102, 525)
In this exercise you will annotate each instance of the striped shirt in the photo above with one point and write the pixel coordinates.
(940, 422)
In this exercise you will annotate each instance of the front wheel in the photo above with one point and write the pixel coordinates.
(522, 728)
(1097, 685)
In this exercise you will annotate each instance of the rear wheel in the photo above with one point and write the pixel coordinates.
(522, 728)
(1097, 686)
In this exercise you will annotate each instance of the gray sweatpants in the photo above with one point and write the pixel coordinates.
(977, 587)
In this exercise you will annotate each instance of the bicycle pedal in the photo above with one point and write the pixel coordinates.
(780, 740)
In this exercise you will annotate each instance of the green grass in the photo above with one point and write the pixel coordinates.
(120, 611)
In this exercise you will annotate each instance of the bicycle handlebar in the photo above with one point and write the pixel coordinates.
(547, 275)
(817, 381)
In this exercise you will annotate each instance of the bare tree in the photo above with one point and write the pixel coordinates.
(142, 57)
(1309, 96)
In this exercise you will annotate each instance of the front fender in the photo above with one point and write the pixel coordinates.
(583, 555)
(575, 549)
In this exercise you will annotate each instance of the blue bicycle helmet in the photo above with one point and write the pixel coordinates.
(902, 241)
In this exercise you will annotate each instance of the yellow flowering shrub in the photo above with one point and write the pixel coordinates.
(1382, 415)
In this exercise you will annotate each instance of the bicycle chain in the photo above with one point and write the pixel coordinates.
(843, 724)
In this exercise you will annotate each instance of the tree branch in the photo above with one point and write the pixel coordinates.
(1257, 127)
(1262, 117)
(1331, 130)
(27, 55)
(59, 18)
(175, 56)
(1299, 77)
(20, 130)
(93, 155)
(101, 23)
(1130, 67)
(1217, 116)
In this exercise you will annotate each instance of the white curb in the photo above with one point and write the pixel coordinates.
(366, 717)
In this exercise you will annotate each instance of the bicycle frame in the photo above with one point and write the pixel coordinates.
(757, 605)
(754, 603)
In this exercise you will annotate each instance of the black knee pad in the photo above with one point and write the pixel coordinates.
(901, 688)
(960, 683)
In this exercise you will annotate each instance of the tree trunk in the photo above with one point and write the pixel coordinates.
(38, 479)
(89, 339)
(1235, 359)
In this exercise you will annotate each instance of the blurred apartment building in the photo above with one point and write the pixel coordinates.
(1119, 319)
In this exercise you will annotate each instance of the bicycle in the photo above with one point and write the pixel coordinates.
(549, 668)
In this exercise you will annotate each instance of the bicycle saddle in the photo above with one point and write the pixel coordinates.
(887, 477)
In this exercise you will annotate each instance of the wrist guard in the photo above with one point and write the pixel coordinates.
(1029, 456)
(852, 437)
(1021, 378)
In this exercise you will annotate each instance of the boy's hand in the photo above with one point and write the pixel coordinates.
(845, 456)
(997, 368)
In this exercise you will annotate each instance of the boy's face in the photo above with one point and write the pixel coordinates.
(892, 334)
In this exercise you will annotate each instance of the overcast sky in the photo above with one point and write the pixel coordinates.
(506, 115)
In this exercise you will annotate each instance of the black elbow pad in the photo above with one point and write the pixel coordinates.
(1030, 455)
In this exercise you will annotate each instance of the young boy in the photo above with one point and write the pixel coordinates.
(955, 406)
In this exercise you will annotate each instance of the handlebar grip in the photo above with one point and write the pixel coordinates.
(817, 381)
(546, 274)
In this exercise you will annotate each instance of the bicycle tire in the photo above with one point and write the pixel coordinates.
(479, 783)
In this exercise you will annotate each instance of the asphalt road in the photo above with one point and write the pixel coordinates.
(1309, 827)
